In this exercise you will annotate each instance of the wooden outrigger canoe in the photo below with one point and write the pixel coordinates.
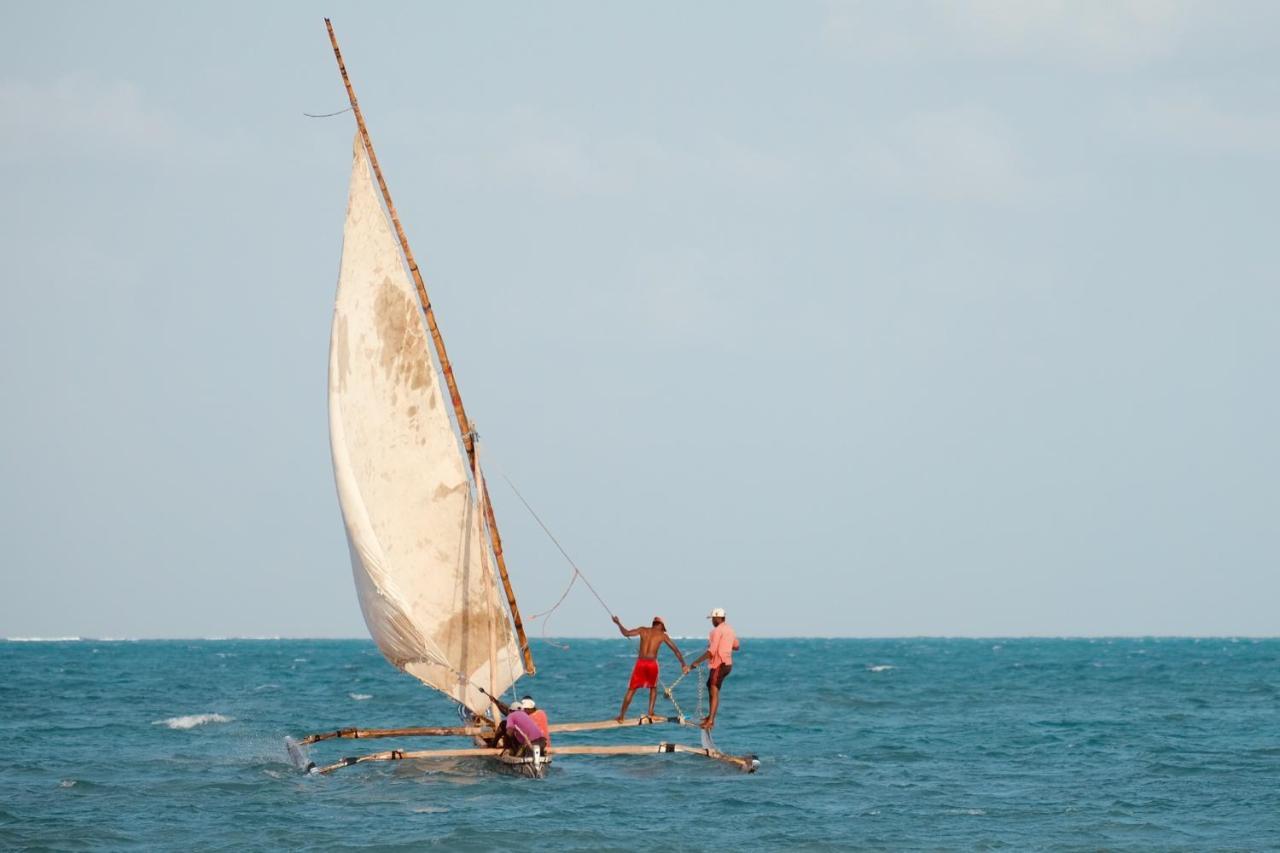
(402, 458)
(533, 765)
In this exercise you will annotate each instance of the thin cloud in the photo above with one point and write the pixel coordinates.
(536, 150)
(83, 117)
(1195, 122)
(79, 114)
(960, 155)
(1096, 34)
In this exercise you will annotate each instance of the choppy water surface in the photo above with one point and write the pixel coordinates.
(1120, 744)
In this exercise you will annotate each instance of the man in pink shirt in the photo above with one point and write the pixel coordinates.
(721, 645)
(521, 730)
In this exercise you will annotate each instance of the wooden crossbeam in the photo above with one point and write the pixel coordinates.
(609, 724)
(400, 755)
(415, 731)
(746, 763)
(353, 733)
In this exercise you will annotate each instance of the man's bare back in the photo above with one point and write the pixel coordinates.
(651, 639)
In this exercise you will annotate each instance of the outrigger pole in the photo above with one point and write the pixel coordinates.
(746, 763)
(464, 424)
(352, 733)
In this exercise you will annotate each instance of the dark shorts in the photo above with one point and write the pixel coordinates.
(718, 675)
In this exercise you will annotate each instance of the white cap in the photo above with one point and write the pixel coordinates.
(528, 704)
(717, 613)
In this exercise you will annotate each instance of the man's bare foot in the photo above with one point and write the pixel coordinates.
(621, 717)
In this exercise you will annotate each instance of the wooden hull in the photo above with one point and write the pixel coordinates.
(533, 766)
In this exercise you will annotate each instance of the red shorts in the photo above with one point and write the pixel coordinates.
(645, 674)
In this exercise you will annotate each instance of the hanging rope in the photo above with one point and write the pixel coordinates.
(327, 115)
(669, 692)
(573, 579)
(577, 572)
(577, 575)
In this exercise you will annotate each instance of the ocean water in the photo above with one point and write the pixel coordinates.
(1122, 744)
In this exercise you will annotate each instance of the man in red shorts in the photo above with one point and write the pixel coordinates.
(645, 673)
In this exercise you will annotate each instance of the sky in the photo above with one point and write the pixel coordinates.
(860, 319)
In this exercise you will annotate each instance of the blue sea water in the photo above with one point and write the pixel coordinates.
(1122, 744)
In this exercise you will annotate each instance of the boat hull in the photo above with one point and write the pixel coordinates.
(533, 766)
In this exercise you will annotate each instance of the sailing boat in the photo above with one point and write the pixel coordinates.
(425, 548)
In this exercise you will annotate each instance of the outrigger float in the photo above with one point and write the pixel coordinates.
(425, 549)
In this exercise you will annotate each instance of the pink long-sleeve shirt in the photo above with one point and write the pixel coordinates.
(722, 643)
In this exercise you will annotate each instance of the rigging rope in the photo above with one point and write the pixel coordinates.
(327, 115)
(577, 573)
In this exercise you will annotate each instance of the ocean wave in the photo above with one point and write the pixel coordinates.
(880, 667)
(190, 721)
(360, 697)
(42, 639)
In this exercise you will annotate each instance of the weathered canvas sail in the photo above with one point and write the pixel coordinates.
(419, 552)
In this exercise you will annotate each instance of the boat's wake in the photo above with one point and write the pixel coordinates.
(299, 755)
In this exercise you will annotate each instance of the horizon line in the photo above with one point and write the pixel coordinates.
(282, 638)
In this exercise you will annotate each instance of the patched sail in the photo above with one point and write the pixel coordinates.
(419, 552)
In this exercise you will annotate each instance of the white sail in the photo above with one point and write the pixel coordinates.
(419, 552)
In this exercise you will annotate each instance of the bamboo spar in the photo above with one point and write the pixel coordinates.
(464, 425)
(745, 763)
(353, 733)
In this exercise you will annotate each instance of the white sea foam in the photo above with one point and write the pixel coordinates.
(429, 810)
(975, 812)
(67, 783)
(43, 639)
(360, 697)
(190, 721)
(880, 667)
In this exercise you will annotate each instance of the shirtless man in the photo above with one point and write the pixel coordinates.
(645, 672)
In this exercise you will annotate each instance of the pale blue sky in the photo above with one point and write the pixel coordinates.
(857, 319)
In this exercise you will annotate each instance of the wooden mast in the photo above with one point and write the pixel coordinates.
(464, 424)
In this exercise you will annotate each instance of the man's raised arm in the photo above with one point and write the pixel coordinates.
(626, 632)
